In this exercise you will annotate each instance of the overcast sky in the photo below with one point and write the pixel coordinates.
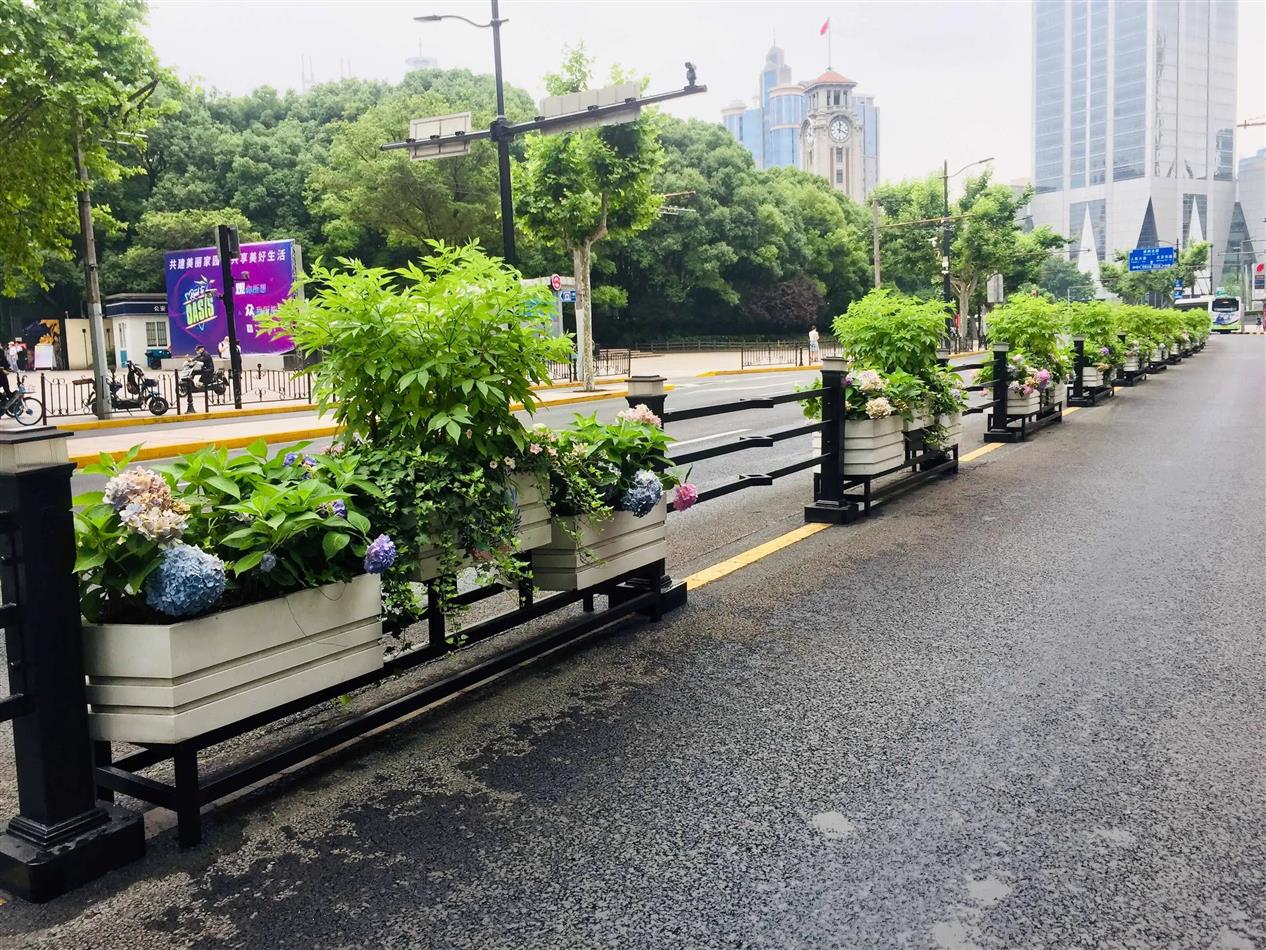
(952, 79)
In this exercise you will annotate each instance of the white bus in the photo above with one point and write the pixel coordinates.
(1226, 314)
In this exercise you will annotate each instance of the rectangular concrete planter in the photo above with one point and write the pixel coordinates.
(920, 421)
(872, 446)
(169, 682)
(531, 494)
(1131, 364)
(602, 552)
(1018, 405)
(1091, 376)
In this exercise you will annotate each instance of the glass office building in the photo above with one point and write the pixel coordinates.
(1133, 122)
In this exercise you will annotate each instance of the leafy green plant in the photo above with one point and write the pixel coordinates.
(891, 332)
(432, 355)
(1097, 322)
(277, 524)
(1035, 329)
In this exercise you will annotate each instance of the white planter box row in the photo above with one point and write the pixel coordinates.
(872, 446)
(163, 683)
(1131, 364)
(1018, 405)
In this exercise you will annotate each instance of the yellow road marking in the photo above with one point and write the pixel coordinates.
(983, 450)
(751, 556)
(1071, 409)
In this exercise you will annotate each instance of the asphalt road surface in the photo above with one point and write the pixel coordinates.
(1022, 708)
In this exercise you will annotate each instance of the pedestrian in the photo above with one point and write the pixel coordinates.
(15, 353)
(224, 348)
(814, 351)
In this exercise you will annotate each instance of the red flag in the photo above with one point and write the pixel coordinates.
(825, 26)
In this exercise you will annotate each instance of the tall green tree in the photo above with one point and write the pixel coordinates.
(1063, 280)
(140, 267)
(580, 187)
(73, 74)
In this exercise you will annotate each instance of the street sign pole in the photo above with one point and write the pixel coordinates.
(226, 244)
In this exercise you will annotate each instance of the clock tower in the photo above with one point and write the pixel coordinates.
(831, 135)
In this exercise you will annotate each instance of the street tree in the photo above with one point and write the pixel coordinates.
(577, 188)
(139, 268)
(988, 239)
(1063, 280)
(74, 75)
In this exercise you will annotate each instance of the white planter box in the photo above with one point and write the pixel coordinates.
(616, 546)
(1022, 405)
(1090, 376)
(872, 446)
(169, 682)
(532, 504)
(920, 421)
(1131, 364)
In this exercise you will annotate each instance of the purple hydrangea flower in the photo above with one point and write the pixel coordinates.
(645, 493)
(1104, 351)
(380, 555)
(340, 508)
(290, 458)
(187, 581)
(268, 563)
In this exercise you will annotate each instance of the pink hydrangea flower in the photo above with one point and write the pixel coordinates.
(685, 496)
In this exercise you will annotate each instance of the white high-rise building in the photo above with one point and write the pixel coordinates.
(1134, 123)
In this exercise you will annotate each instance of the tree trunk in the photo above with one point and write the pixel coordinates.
(581, 256)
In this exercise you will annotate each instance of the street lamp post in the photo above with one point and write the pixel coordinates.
(500, 135)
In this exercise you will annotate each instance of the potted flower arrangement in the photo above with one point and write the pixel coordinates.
(422, 367)
(607, 491)
(899, 337)
(1095, 321)
(1038, 366)
(217, 588)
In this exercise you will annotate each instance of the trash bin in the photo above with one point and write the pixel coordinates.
(154, 357)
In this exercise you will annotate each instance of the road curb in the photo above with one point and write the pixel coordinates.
(97, 424)
(758, 369)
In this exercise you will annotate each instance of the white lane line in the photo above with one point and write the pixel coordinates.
(743, 389)
(709, 438)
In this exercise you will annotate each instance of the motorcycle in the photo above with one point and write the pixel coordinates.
(137, 393)
(190, 380)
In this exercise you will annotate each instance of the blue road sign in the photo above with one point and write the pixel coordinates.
(567, 296)
(1152, 258)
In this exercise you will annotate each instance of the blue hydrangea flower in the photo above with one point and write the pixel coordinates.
(268, 562)
(641, 499)
(187, 581)
(380, 554)
(340, 508)
(290, 458)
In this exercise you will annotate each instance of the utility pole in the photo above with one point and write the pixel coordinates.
(874, 237)
(226, 244)
(92, 287)
(502, 138)
(946, 293)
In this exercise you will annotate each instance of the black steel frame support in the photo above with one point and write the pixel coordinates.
(61, 837)
(830, 506)
(998, 426)
(189, 791)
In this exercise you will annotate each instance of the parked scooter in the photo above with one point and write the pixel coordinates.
(190, 380)
(138, 392)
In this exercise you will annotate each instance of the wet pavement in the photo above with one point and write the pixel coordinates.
(1025, 707)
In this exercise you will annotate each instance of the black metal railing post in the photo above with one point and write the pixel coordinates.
(648, 391)
(61, 837)
(1079, 369)
(996, 428)
(829, 504)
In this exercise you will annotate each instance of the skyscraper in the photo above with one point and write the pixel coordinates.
(773, 127)
(1134, 117)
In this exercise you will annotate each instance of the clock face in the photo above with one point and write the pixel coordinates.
(840, 129)
(809, 134)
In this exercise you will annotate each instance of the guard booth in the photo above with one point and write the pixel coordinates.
(136, 323)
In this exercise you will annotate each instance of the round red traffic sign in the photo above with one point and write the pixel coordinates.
(556, 282)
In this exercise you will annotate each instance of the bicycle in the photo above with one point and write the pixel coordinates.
(25, 409)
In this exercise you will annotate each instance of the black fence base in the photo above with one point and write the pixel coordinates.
(639, 592)
(1091, 395)
(1019, 428)
(1173, 360)
(821, 512)
(39, 874)
(1130, 377)
(1156, 367)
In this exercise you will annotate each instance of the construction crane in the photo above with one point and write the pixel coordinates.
(1249, 123)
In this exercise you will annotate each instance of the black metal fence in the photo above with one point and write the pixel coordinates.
(63, 397)
(607, 363)
(784, 354)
